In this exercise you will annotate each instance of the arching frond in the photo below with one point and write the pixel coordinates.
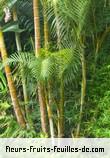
(59, 64)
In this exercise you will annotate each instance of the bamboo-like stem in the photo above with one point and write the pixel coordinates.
(60, 111)
(48, 98)
(19, 49)
(52, 133)
(36, 27)
(83, 94)
(49, 111)
(12, 89)
(46, 32)
(41, 94)
(42, 103)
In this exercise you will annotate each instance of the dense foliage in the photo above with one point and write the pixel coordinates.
(59, 55)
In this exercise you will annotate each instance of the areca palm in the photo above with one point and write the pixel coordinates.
(41, 94)
(15, 102)
(86, 19)
(55, 64)
(48, 92)
(59, 65)
(74, 14)
(11, 86)
(75, 18)
(77, 10)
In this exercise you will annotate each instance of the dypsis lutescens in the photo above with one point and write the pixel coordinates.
(63, 64)
(72, 17)
(4, 54)
(49, 67)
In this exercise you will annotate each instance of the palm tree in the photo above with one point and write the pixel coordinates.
(73, 17)
(41, 94)
(15, 102)
(48, 94)
(19, 49)
(61, 65)
(46, 31)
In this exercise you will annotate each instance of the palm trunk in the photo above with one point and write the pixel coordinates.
(36, 26)
(60, 111)
(51, 125)
(46, 33)
(37, 52)
(42, 103)
(83, 93)
(17, 35)
(12, 89)
(19, 49)
(50, 113)
(48, 101)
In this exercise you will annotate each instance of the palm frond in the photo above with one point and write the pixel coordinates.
(46, 66)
